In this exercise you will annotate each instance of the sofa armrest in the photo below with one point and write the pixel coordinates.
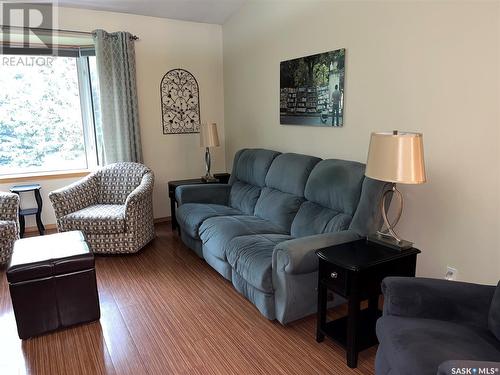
(437, 299)
(74, 197)
(9, 206)
(206, 193)
(298, 255)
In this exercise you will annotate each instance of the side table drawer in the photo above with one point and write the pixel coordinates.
(334, 276)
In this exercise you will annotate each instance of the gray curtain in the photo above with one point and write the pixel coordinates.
(115, 56)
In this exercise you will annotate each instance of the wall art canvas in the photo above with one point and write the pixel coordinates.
(180, 102)
(312, 90)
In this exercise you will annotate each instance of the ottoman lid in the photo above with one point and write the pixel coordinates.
(51, 255)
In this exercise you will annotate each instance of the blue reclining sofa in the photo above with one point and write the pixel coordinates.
(261, 230)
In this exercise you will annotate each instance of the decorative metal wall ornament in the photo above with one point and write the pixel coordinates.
(180, 102)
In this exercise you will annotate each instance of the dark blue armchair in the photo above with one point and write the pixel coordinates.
(427, 323)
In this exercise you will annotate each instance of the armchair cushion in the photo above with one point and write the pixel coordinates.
(402, 338)
(494, 315)
(96, 219)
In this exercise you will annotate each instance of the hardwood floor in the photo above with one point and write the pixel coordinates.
(165, 311)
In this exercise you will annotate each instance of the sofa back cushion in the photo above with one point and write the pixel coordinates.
(118, 180)
(332, 192)
(248, 177)
(283, 193)
(494, 315)
(368, 217)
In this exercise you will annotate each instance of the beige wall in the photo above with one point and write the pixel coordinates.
(164, 44)
(426, 66)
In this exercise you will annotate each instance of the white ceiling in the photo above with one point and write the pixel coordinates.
(209, 11)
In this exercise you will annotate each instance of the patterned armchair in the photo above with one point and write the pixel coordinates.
(113, 207)
(9, 224)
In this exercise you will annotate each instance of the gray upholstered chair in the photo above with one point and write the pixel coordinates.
(9, 224)
(431, 326)
(113, 207)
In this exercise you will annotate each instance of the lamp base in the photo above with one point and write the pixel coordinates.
(389, 241)
(209, 178)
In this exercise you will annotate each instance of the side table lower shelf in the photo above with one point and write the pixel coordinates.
(366, 337)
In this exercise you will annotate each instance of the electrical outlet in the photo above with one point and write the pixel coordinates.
(451, 273)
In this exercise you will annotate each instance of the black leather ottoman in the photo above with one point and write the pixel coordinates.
(52, 283)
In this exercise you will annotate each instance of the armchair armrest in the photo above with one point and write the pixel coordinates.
(207, 193)
(140, 198)
(437, 299)
(74, 197)
(9, 206)
(298, 255)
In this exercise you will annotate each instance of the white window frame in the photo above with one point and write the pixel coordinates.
(86, 106)
(87, 109)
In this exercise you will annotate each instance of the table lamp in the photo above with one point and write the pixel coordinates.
(395, 157)
(208, 138)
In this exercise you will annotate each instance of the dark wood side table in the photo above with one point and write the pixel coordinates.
(355, 271)
(37, 211)
(222, 178)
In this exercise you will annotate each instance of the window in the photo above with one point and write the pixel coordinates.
(48, 108)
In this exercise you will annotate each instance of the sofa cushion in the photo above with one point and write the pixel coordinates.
(333, 191)
(283, 194)
(248, 177)
(251, 166)
(336, 184)
(367, 218)
(419, 346)
(217, 232)
(244, 196)
(191, 215)
(289, 173)
(278, 207)
(315, 219)
(251, 257)
(96, 219)
(494, 315)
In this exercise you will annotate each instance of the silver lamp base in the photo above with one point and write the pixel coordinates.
(389, 241)
(389, 237)
(208, 176)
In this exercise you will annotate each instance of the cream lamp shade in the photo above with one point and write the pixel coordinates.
(208, 135)
(396, 157)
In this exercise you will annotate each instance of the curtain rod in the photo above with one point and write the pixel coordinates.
(133, 37)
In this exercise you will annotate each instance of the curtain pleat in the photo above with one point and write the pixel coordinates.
(115, 56)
